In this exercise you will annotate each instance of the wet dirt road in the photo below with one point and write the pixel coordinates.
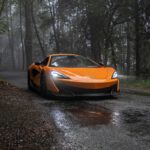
(95, 123)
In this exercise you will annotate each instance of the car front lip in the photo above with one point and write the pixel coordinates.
(65, 90)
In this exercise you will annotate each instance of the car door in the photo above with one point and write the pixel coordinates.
(36, 72)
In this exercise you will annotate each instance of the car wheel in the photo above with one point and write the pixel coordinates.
(43, 86)
(30, 87)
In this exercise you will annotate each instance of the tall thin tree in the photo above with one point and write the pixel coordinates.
(28, 31)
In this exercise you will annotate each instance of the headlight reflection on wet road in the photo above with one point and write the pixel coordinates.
(116, 118)
(60, 119)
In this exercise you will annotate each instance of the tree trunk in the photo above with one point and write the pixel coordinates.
(95, 38)
(128, 49)
(106, 51)
(137, 38)
(28, 31)
(22, 39)
(113, 55)
(38, 35)
(52, 13)
(10, 35)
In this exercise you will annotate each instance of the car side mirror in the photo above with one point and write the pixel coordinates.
(37, 63)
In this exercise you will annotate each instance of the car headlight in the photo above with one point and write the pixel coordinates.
(56, 75)
(115, 75)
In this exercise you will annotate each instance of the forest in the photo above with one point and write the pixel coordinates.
(113, 32)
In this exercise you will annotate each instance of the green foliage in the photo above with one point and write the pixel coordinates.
(138, 83)
(102, 29)
(3, 26)
(1, 79)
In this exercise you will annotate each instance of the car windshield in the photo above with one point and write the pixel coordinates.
(73, 61)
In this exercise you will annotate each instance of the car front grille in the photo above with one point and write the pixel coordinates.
(71, 90)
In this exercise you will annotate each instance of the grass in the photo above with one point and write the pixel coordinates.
(1, 79)
(137, 83)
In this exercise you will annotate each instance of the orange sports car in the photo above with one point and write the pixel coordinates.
(72, 75)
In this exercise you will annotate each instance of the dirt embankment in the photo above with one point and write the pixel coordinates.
(21, 126)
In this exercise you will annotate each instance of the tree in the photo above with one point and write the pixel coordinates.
(38, 35)
(137, 37)
(114, 32)
(2, 5)
(11, 33)
(28, 31)
(22, 37)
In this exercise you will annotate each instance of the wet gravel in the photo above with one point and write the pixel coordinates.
(102, 123)
(99, 123)
(21, 124)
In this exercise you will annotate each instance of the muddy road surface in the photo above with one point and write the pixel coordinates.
(98, 123)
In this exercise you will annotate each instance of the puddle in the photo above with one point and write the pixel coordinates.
(69, 115)
(88, 116)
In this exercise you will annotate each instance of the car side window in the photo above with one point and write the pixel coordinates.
(45, 61)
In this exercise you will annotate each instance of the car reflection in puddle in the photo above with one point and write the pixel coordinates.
(90, 117)
(68, 116)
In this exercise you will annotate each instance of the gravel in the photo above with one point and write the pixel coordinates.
(21, 124)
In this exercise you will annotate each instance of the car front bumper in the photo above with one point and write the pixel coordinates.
(76, 91)
(71, 90)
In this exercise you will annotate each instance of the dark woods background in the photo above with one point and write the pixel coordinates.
(115, 32)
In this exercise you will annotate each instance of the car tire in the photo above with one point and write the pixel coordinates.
(30, 87)
(43, 86)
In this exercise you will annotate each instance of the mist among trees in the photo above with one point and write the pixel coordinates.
(113, 32)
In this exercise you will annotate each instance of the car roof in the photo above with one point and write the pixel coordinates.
(63, 54)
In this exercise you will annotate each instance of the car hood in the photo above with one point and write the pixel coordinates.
(84, 73)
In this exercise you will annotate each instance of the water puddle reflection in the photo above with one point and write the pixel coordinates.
(91, 117)
(68, 116)
(81, 114)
